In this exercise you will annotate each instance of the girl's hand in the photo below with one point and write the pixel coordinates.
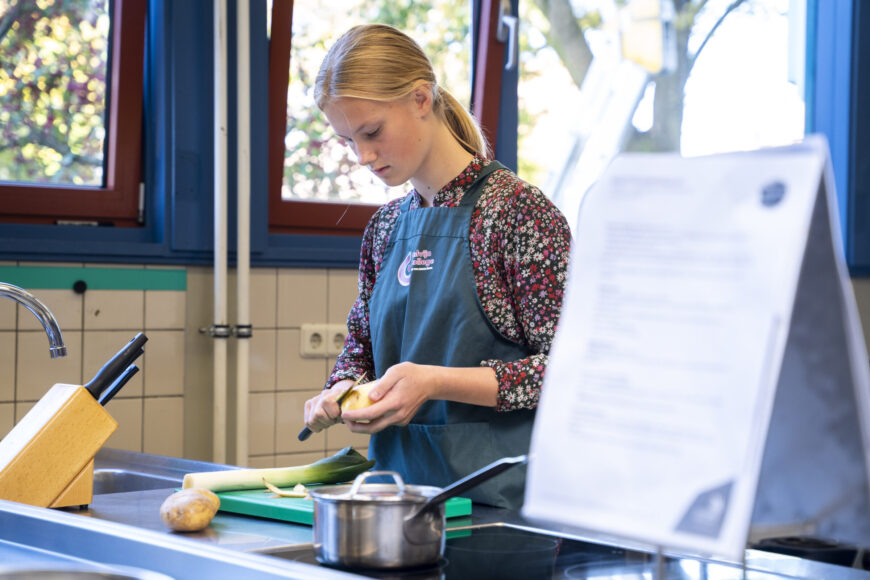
(322, 411)
(397, 396)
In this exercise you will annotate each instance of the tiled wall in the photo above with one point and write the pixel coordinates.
(95, 325)
(167, 407)
(281, 380)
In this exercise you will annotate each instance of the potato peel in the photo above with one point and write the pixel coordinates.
(298, 491)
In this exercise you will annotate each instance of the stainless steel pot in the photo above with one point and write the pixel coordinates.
(387, 525)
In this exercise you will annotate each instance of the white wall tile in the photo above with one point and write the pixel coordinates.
(37, 372)
(296, 459)
(295, 372)
(7, 366)
(65, 306)
(8, 308)
(165, 309)
(128, 414)
(164, 430)
(339, 437)
(343, 291)
(99, 346)
(302, 295)
(261, 462)
(22, 408)
(114, 310)
(261, 424)
(264, 297)
(163, 368)
(261, 370)
(7, 418)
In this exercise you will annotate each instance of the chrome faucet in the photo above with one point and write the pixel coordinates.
(56, 347)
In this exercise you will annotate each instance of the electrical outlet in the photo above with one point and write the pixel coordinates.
(313, 341)
(335, 335)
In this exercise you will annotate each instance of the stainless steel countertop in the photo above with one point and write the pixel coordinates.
(125, 528)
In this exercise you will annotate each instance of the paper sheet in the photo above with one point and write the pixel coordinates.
(663, 373)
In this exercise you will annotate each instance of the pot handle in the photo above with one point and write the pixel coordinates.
(419, 527)
(359, 479)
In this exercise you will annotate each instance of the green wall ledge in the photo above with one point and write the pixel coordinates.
(63, 278)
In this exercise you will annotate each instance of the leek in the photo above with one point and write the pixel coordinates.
(343, 466)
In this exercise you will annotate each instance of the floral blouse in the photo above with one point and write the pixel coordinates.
(520, 246)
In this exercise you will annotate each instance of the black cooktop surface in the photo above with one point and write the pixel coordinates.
(505, 553)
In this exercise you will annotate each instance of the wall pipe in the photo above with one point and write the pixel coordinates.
(220, 234)
(243, 242)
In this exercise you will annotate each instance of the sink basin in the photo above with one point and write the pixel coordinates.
(123, 480)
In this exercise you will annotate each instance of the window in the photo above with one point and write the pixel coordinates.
(696, 77)
(71, 109)
(315, 184)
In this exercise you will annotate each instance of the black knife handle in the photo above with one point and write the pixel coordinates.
(116, 386)
(116, 365)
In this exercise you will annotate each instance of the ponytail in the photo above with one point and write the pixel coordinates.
(462, 125)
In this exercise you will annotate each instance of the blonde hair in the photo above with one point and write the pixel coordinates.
(380, 63)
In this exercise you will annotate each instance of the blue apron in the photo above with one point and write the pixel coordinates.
(425, 309)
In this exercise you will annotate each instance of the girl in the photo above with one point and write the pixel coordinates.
(460, 282)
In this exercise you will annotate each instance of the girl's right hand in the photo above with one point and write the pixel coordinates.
(322, 411)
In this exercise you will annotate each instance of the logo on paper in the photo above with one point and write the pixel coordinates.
(706, 514)
(772, 193)
(419, 260)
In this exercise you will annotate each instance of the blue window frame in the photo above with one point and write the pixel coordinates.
(178, 165)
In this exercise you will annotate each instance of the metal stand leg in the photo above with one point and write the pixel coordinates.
(660, 565)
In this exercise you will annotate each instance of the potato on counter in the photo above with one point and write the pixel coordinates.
(189, 510)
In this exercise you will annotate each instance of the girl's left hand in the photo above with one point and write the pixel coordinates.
(397, 396)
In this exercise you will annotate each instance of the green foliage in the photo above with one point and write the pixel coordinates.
(52, 90)
(316, 165)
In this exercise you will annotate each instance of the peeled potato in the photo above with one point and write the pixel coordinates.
(358, 398)
(189, 510)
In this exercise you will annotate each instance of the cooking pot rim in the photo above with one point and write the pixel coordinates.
(376, 492)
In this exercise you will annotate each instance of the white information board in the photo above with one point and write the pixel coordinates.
(709, 375)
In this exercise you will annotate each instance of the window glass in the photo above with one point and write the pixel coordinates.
(695, 76)
(53, 91)
(317, 167)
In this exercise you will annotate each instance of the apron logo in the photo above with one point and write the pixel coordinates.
(415, 260)
(405, 270)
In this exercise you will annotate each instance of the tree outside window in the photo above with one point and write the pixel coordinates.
(53, 90)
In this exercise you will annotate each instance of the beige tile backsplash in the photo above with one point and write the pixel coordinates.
(7, 417)
(342, 293)
(37, 372)
(168, 412)
(65, 305)
(261, 418)
(302, 297)
(262, 360)
(175, 381)
(8, 310)
(294, 372)
(128, 414)
(164, 310)
(114, 310)
(163, 365)
(7, 368)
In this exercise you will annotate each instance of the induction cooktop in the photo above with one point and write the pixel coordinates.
(499, 552)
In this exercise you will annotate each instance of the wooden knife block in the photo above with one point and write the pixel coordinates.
(47, 459)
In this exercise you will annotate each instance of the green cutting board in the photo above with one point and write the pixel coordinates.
(259, 502)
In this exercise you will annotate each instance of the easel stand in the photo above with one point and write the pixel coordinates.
(47, 460)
